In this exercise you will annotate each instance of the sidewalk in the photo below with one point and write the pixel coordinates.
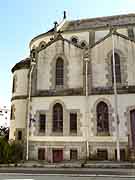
(73, 164)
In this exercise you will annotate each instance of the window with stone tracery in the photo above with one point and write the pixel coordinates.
(59, 72)
(57, 118)
(102, 118)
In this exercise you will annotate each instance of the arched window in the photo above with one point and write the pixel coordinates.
(102, 118)
(14, 84)
(74, 40)
(12, 114)
(83, 44)
(59, 72)
(42, 44)
(33, 53)
(117, 68)
(57, 118)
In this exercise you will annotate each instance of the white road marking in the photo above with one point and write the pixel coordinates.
(17, 179)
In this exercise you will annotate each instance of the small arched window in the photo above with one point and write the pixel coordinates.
(117, 68)
(12, 114)
(102, 118)
(14, 85)
(59, 72)
(42, 44)
(57, 118)
(33, 53)
(83, 44)
(74, 40)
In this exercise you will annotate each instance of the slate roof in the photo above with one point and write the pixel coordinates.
(25, 63)
(99, 22)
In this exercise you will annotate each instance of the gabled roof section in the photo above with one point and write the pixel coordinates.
(109, 35)
(99, 22)
(58, 37)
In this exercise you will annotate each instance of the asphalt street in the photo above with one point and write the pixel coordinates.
(66, 174)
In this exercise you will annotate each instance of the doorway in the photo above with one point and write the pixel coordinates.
(57, 155)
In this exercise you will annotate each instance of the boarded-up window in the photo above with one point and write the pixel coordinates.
(42, 122)
(41, 154)
(73, 154)
(117, 68)
(73, 122)
(102, 118)
(102, 154)
(59, 72)
(122, 154)
(19, 135)
(57, 118)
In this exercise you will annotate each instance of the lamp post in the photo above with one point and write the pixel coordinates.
(32, 65)
(115, 102)
(86, 60)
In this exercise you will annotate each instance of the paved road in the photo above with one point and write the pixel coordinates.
(66, 174)
(59, 177)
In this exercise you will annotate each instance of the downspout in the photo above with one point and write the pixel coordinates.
(115, 103)
(28, 107)
(86, 60)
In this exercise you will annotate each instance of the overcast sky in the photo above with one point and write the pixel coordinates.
(21, 20)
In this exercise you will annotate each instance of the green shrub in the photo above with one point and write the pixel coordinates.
(10, 152)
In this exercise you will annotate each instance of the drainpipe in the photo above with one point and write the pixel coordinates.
(29, 104)
(116, 103)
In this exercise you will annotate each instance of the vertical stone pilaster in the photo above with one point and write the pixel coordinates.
(111, 154)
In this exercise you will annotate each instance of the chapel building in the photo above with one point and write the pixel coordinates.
(65, 89)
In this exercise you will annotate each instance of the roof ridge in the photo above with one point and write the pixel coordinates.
(103, 17)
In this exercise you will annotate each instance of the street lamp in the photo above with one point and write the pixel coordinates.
(32, 65)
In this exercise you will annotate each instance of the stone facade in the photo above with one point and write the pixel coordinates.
(85, 85)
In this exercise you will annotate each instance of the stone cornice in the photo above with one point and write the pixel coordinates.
(109, 90)
(21, 97)
(79, 92)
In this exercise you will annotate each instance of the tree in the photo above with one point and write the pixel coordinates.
(4, 132)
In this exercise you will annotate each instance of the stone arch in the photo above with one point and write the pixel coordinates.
(110, 114)
(123, 68)
(53, 69)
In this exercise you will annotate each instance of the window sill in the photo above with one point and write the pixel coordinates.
(57, 134)
(103, 134)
